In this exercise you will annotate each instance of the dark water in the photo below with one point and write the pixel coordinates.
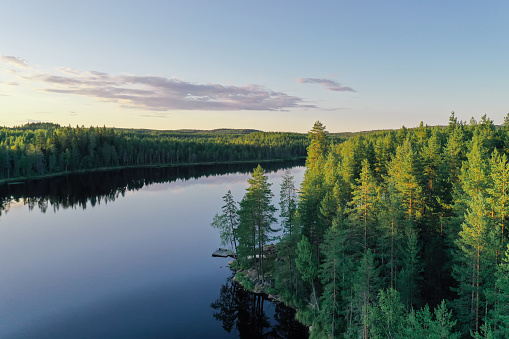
(127, 254)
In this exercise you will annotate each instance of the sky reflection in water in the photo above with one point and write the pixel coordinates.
(136, 266)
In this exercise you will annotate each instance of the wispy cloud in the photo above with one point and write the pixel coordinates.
(13, 61)
(328, 84)
(165, 94)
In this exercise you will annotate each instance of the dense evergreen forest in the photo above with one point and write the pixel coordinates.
(392, 234)
(39, 149)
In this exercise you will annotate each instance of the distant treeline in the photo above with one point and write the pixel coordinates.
(37, 149)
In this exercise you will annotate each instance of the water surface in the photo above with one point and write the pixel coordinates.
(127, 254)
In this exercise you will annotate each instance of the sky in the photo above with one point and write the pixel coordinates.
(271, 65)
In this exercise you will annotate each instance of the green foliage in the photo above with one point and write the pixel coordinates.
(256, 215)
(422, 324)
(409, 282)
(287, 279)
(476, 262)
(366, 282)
(307, 264)
(498, 318)
(389, 221)
(335, 275)
(403, 171)
(43, 148)
(386, 317)
(288, 204)
(363, 205)
(306, 260)
(228, 222)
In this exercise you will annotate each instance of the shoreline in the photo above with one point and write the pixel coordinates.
(20, 180)
(248, 280)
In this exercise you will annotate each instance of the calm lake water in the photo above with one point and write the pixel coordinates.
(127, 254)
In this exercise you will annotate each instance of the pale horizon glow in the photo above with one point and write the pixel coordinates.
(271, 66)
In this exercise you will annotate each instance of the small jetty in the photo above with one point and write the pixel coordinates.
(223, 253)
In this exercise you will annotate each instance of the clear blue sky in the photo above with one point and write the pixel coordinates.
(270, 65)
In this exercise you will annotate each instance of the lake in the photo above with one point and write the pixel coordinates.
(127, 254)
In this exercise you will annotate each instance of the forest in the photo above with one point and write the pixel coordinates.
(39, 149)
(392, 234)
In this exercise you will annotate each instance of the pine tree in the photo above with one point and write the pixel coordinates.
(403, 174)
(498, 318)
(449, 170)
(348, 170)
(431, 159)
(391, 228)
(286, 274)
(330, 205)
(335, 275)
(475, 262)
(228, 222)
(256, 217)
(319, 142)
(474, 176)
(422, 324)
(307, 264)
(499, 192)
(365, 285)
(363, 203)
(410, 275)
(288, 204)
(384, 149)
(386, 316)
(312, 190)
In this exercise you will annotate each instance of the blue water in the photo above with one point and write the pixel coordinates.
(137, 264)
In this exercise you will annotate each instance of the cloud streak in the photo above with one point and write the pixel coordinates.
(328, 84)
(13, 61)
(165, 94)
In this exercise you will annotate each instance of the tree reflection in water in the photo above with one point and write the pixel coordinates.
(81, 189)
(244, 312)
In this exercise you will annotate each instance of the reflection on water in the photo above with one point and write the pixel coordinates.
(78, 190)
(138, 267)
(247, 315)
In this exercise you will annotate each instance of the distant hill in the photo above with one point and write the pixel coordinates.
(221, 131)
(37, 125)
